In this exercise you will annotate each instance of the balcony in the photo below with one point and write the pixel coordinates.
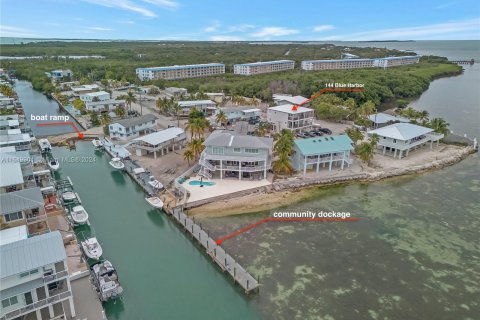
(55, 276)
(37, 305)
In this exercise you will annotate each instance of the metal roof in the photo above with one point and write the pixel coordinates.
(131, 122)
(11, 171)
(96, 93)
(365, 59)
(231, 139)
(15, 138)
(32, 253)
(290, 99)
(401, 131)
(161, 136)
(287, 108)
(20, 200)
(191, 103)
(13, 234)
(260, 63)
(381, 118)
(322, 145)
(182, 67)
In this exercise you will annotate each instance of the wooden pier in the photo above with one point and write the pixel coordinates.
(216, 252)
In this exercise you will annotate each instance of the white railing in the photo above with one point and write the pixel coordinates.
(55, 276)
(324, 159)
(36, 305)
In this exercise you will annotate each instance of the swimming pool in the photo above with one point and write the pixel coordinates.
(198, 182)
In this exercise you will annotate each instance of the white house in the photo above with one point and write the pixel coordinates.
(401, 138)
(176, 92)
(132, 127)
(287, 116)
(90, 97)
(161, 141)
(86, 88)
(34, 278)
(383, 119)
(207, 106)
(240, 113)
(106, 105)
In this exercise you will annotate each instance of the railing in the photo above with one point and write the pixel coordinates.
(55, 276)
(36, 305)
(432, 136)
(37, 218)
(324, 159)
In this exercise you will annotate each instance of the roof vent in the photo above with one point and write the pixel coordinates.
(331, 138)
(314, 140)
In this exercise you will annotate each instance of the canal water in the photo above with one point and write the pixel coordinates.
(164, 275)
(36, 103)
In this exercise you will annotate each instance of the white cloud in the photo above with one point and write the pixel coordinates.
(274, 32)
(11, 31)
(125, 5)
(323, 28)
(164, 3)
(454, 29)
(225, 38)
(126, 21)
(240, 28)
(213, 27)
(99, 29)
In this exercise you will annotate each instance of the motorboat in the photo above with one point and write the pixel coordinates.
(45, 145)
(53, 164)
(155, 183)
(97, 143)
(155, 202)
(79, 215)
(105, 280)
(69, 196)
(117, 163)
(92, 248)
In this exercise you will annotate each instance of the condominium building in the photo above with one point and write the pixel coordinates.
(231, 155)
(286, 116)
(34, 277)
(248, 69)
(358, 63)
(180, 72)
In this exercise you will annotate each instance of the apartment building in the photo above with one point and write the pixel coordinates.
(310, 65)
(34, 277)
(180, 72)
(230, 155)
(248, 69)
(286, 116)
(133, 127)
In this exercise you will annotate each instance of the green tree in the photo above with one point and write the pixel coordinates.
(130, 98)
(439, 125)
(176, 110)
(188, 155)
(221, 118)
(79, 105)
(105, 119)
(94, 119)
(282, 149)
(374, 139)
(355, 134)
(196, 147)
(365, 152)
(120, 111)
(162, 105)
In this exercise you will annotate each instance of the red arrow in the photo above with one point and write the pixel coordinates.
(80, 134)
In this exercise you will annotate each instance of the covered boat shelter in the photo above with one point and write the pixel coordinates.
(161, 141)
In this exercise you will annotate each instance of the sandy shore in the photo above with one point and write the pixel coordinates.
(297, 189)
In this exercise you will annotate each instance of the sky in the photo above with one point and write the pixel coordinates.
(216, 20)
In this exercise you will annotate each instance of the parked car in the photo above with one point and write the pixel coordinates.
(325, 130)
(318, 133)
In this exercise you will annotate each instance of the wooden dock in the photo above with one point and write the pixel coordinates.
(216, 252)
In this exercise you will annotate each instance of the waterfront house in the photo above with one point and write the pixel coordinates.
(133, 127)
(176, 92)
(95, 96)
(104, 106)
(280, 99)
(161, 141)
(286, 116)
(382, 119)
(60, 74)
(34, 278)
(230, 155)
(86, 88)
(401, 138)
(312, 153)
(241, 113)
(206, 106)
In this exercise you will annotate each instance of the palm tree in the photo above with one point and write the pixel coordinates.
(283, 149)
(120, 111)
(221, 117)
(105, 119)
(188, 155)
(367, 108)
(161, 105)
(424, 115)
(411, 114)
(263, 128)
(374, 139)
(196, 146)
(194, 126)
(355, 134)
(439, 125)
(130, 98)
(282, 165)
(176, 109)
(365, 152)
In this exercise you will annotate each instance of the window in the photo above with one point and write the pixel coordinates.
(237, 150)
(251, 150)
(27, 273)
(13, 216)
(9, 302)
(217, 150)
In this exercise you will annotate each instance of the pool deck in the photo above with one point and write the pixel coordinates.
(221, 187)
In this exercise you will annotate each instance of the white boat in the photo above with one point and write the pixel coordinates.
(156, 184)
(45, 145)
(92, 248)
(97, 143)
(117, 163)
(79, 215)
(53, 164)
(155, 202)
(105, 279)
(68, 196)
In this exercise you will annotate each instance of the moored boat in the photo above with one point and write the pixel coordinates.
(53, 164)
(69, 196)
(45, 145)
(79, 215)
(155, 202)
(97, 143)
(92, 248)
(117, 163)
(105, 279)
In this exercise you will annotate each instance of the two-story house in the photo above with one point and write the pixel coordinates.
(34, 281)
(230, 155)
(95, 96)
(133, 127)
(206, 106)
(241, 113)
(105, 106)
(291, 117)
(399, 139)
